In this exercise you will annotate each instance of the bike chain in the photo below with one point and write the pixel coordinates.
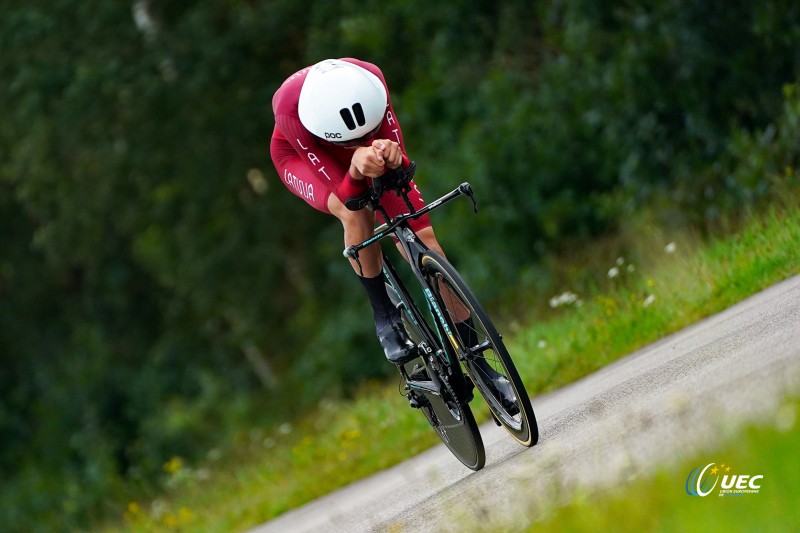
(446, 381)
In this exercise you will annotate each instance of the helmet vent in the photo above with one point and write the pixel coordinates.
(359, 113)
(347, 116)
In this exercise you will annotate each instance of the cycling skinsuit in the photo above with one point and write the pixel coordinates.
(312, 168)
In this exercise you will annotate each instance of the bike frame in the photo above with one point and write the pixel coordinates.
(434, 345)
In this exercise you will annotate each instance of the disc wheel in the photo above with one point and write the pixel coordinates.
(452, 419)
(456, 426)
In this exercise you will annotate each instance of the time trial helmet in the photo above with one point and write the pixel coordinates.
(340, 101)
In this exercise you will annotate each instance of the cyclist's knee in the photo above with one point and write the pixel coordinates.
(429, 238)
(336, 207)
(363, 217)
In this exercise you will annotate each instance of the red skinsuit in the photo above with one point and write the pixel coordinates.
(312, 168)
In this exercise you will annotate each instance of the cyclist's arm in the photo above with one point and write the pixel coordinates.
(315, 156)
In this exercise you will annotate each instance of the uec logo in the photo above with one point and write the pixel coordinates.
(700, 484)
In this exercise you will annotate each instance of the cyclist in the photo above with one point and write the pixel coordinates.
(335, 128)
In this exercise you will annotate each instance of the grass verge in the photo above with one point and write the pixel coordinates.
(661, 502)
(673, 282)
(642, 302)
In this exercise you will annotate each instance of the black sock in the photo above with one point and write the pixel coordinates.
(385, 312)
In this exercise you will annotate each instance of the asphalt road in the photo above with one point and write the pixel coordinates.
(675, 398)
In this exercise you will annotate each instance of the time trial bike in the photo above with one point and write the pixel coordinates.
(457, 346)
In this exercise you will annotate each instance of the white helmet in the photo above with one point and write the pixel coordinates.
(341, 101)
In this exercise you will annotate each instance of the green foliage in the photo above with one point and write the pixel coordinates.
(160, 289)
(272, 470)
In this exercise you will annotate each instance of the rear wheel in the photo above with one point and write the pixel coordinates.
(481, 350)
(451, 418)
(456, 426)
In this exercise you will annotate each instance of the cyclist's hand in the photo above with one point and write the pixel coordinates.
(389, 152)
(367, 161)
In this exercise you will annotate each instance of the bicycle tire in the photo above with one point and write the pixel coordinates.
(521, 426)
(452, 419)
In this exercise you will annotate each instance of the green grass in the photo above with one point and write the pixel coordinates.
(660, 502)
(341, 441)
(267, 473)
(660, 296)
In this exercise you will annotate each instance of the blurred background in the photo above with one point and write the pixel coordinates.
(160, 290)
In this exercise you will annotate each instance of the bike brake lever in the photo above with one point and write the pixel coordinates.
(466, 189)
(351, 253)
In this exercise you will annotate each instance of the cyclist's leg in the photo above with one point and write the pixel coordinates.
(454, 306)
(428, 237)
(456, 309)
(316, 190)
(358, 226)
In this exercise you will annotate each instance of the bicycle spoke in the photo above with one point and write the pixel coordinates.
(476, 343)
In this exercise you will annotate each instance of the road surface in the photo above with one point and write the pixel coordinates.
(649, 410)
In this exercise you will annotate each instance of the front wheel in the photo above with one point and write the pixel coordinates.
(481, 350)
